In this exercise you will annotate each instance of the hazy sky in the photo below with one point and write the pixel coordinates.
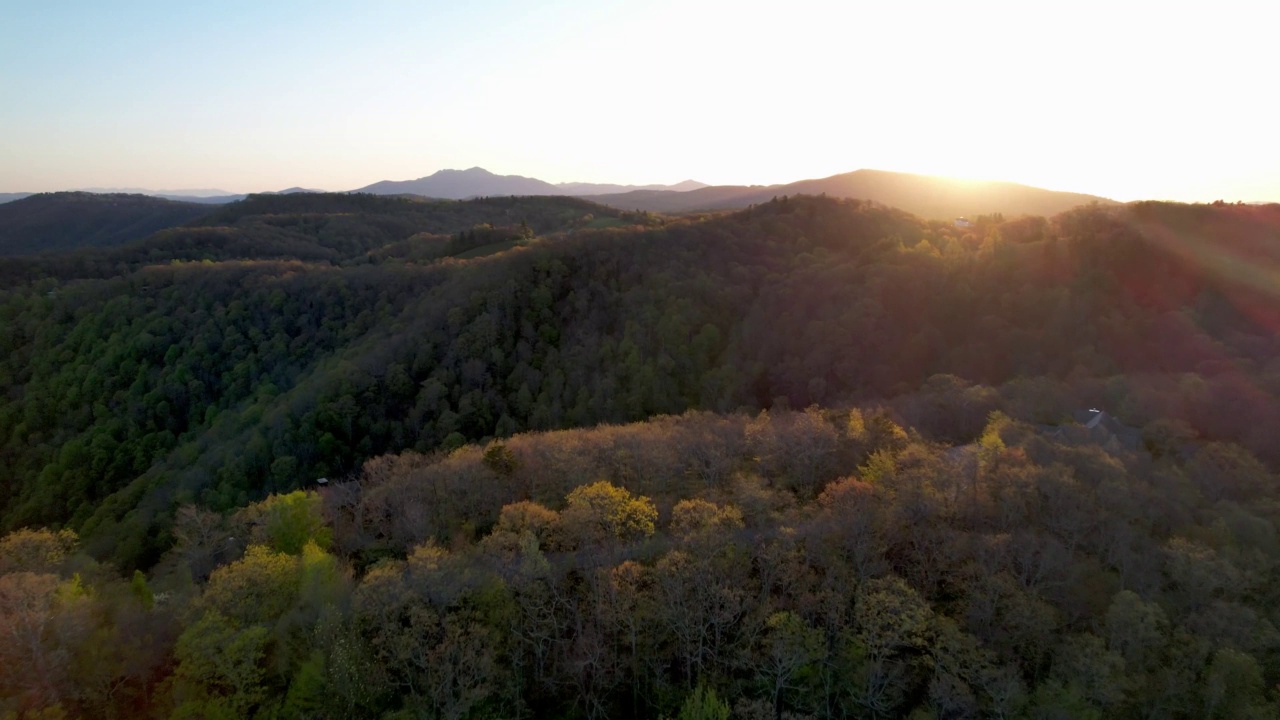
(1124, 99)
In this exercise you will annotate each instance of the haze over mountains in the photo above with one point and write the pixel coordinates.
(61, 221)
(442, 185)
(43, 222)
(203, 196)
(185, 192)
(927, 196)
(923, 195)
(478, 182)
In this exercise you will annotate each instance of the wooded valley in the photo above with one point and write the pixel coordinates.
(312, 456)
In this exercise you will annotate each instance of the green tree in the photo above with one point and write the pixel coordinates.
(306, 697)
(1136, 630)
(703, 704)
(288, 522)
(220, 671)
(791, 649)
(1234, 688)
(500, 459)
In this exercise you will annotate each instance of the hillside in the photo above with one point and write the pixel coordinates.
(56, 222)
(336, 228)
(929, 197)
(356, 347)
(563, 459)
(745, 563)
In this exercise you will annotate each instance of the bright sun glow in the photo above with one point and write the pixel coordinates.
(1127, 100)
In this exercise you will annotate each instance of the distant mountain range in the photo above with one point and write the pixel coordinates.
(208, 196)
(57, 221)
(478, 182)
(186, 192)
(203, 196)
(442, 185)
(923, 195)
(199, 199)
(224, 199)
(927, 196)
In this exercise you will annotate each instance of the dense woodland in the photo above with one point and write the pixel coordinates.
(920, 542)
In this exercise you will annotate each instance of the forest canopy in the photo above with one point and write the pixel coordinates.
(566, 471)
(815, 564)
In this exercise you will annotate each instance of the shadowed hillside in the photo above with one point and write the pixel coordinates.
(250, 375)
(334, 228)
(426, 215)
(55, 222)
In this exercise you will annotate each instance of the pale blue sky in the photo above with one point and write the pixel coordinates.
(1128, 100)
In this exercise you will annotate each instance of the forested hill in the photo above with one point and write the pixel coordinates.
(219, 382)
(544, 214)
(57, 222)
(932, 537)
(817, 564)
(934, 198)
(331, 229)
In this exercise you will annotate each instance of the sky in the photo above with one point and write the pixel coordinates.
(1128, 100)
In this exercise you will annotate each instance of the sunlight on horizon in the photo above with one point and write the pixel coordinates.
(1125, 100)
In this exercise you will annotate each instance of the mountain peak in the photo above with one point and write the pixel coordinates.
(293, 191)
(453, 184)
(476, 171)
(687, 185)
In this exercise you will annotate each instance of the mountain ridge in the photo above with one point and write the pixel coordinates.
(924, 195)
(450, 184)
(928, 196)
(182, 192)
(52, 222)
(209, 196)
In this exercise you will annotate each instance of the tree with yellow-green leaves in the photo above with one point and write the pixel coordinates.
(703, 704)
(287, 522)
(691, 519)
(602, 511)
